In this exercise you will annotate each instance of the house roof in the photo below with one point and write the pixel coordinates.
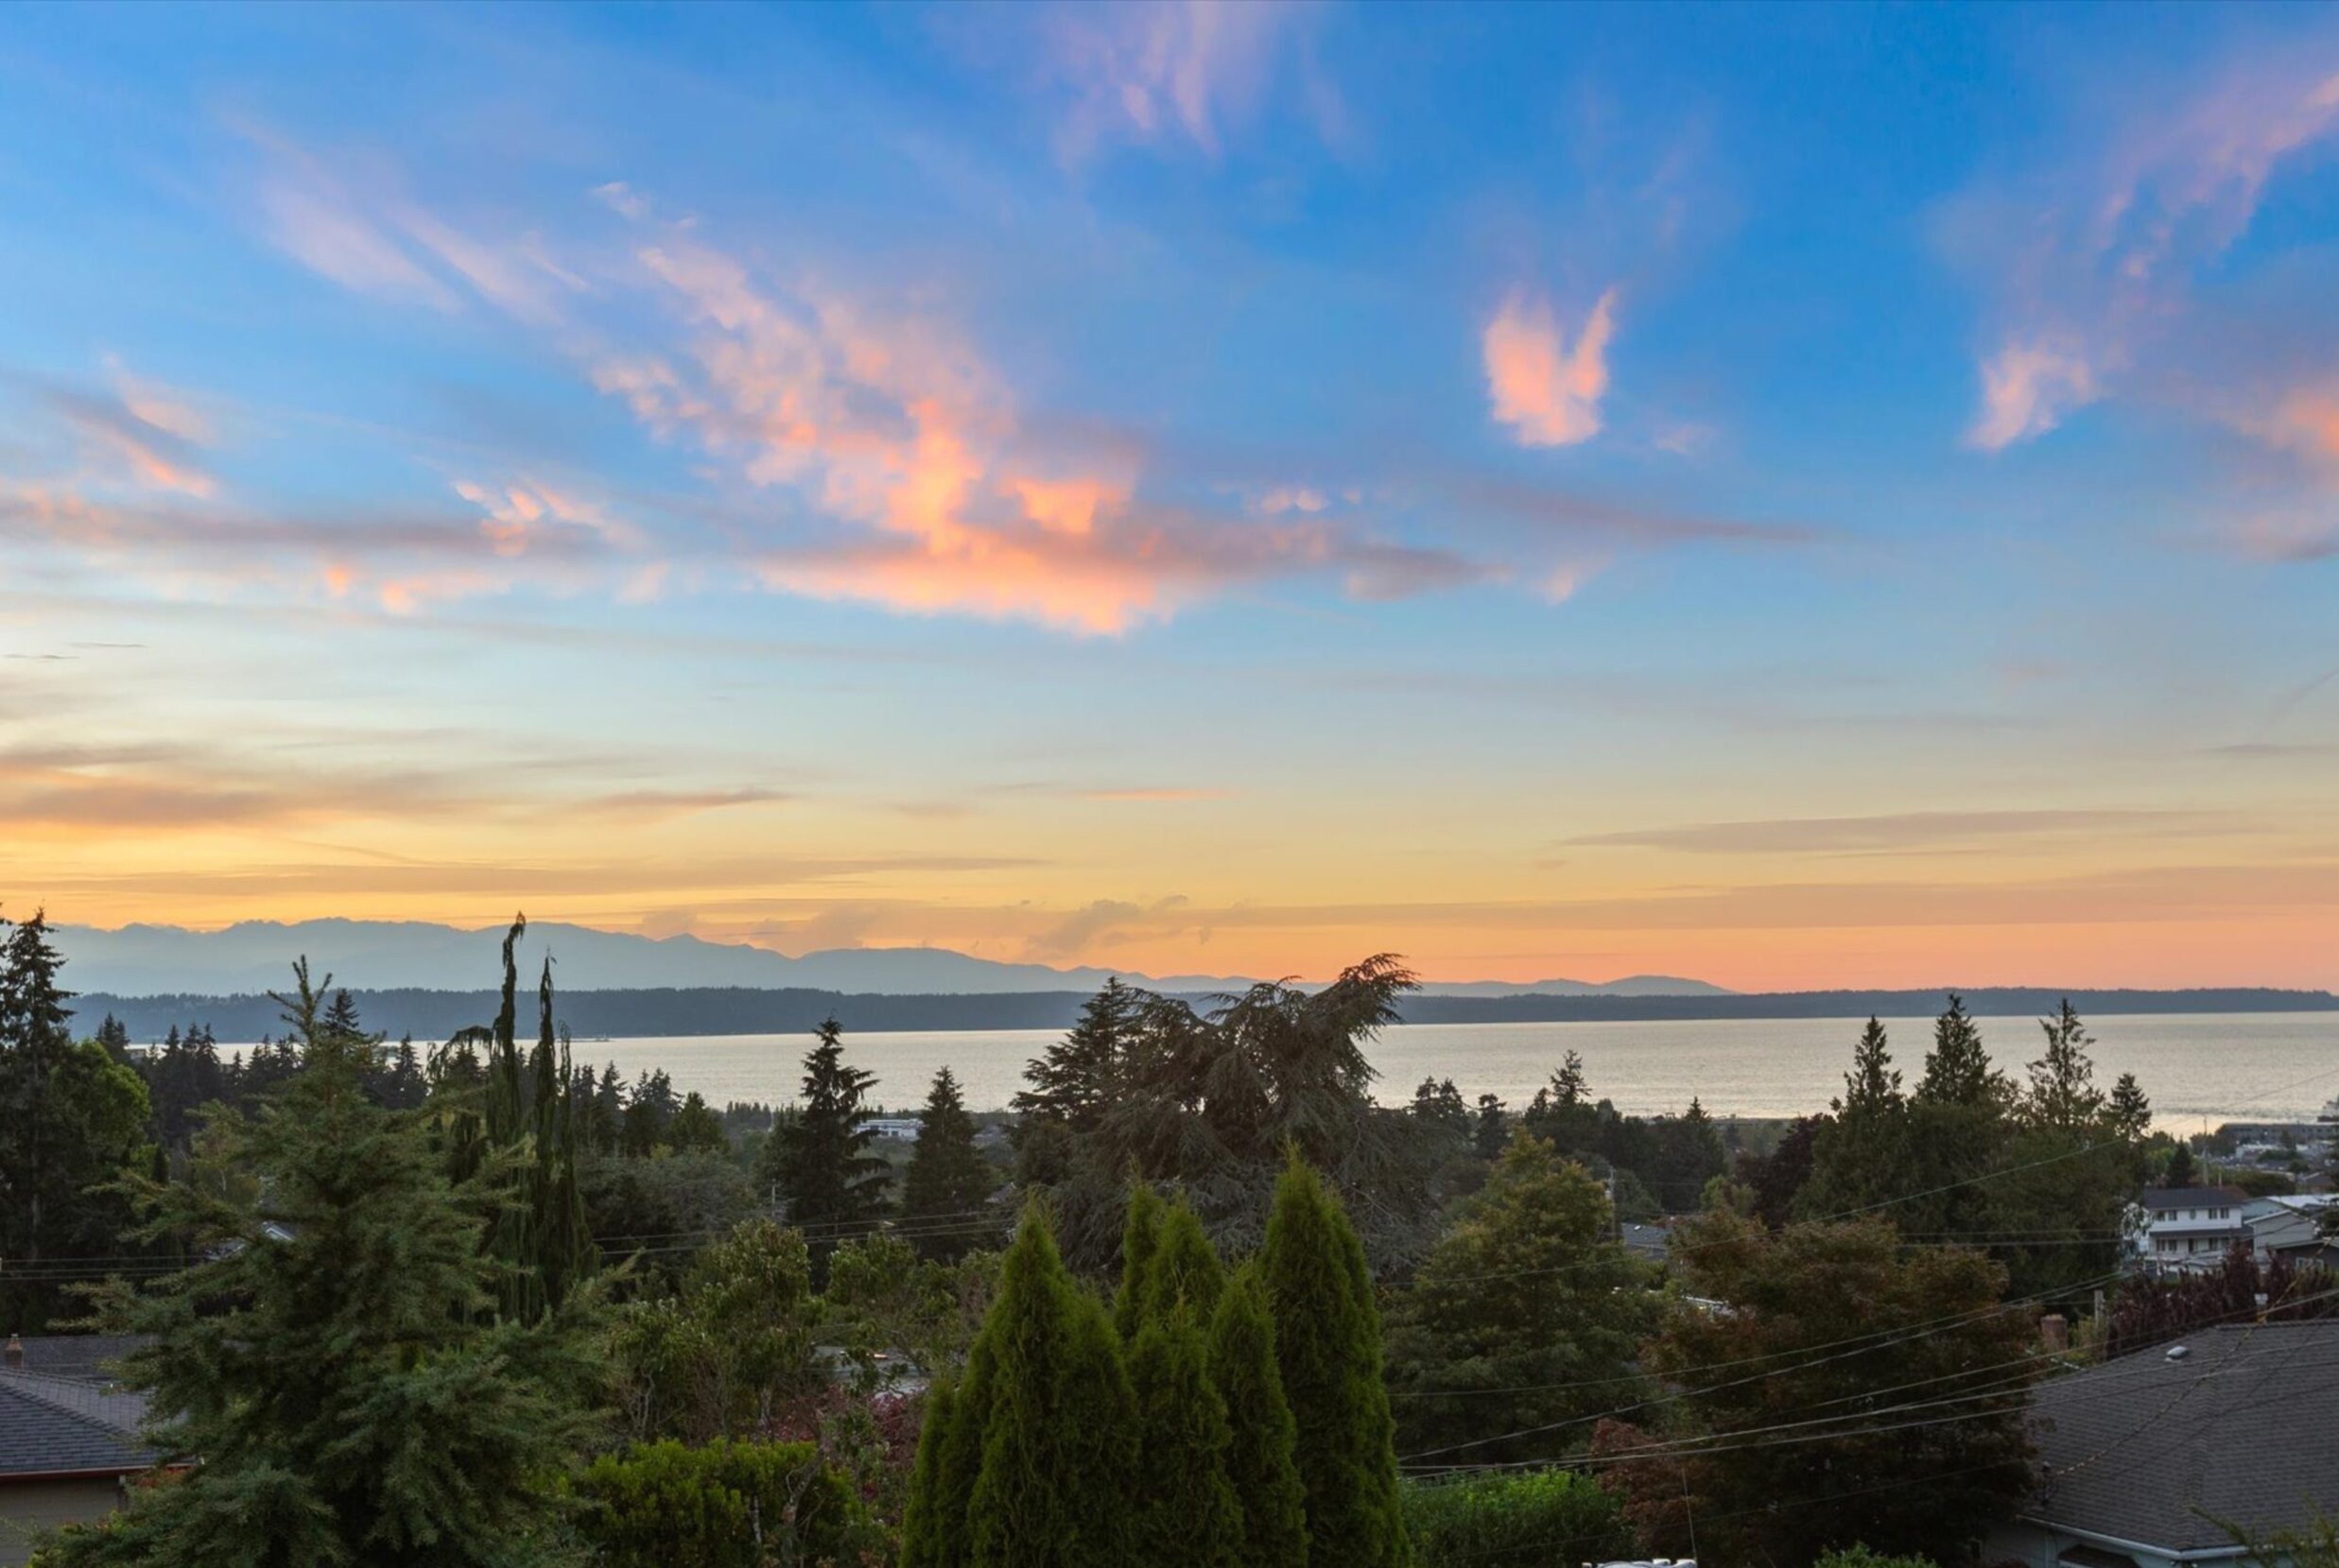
(2158, 1451)
(57, 1424)
(2193, 1197)
(87, 1356)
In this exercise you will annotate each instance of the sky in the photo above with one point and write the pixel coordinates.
(1797, 497)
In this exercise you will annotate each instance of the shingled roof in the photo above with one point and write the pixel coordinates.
(89, 1358)
(2157, 1449)
(51, 1427)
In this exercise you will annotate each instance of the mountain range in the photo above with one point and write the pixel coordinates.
(256, 956)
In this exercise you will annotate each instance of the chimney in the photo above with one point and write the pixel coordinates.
(16, 1354)
(2055, 1333)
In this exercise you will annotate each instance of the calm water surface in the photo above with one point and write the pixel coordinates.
(2195, 1067)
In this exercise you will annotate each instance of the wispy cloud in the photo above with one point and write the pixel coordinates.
(892, 425)
(1547, 391)
(1915, 831)
(1181, 73)
(362, 232)
(2093, 260)
(137, 435)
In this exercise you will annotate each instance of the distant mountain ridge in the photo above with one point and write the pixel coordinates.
(255, 956)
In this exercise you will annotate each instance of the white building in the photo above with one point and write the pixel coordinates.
(2177, 1228)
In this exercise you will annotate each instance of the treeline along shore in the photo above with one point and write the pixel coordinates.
(737, 1009)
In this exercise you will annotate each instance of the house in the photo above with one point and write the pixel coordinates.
(2293, 1224)
(2145, 1461)
(68, 1451)
(2175, 1227)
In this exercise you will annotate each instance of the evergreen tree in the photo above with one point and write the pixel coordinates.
(924, 1513)
(1074, 1081)
(948, 1183)
(1327, 1348)
(1957, 1069)
(73, 1119)
(330, 1362)
(1184, 1272)
(1188, 1514)
(1058, 1427)
(1957, 1129)
(1860, 1157)
(2129, 1111)
(1260, 1453)
(1688, 1154)
(114, 1036)
(340, 1018)
(820, 1162)
(1526, 1313)
(2180, 1172)
(649, 1106)
(1491, 1131)
(1140, 1234)
(524, 1128)
(2062, 1095)
(35, 1038)
(696, 1129)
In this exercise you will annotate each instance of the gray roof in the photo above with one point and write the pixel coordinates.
(2157, 1451)
(87, 1356)
(2193, 1197)
(48, 1424)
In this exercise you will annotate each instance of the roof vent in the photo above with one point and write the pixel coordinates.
(2179, 1352)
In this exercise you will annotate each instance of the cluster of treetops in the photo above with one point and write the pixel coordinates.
(1433, 1302)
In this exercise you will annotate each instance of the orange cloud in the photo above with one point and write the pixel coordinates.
(1547, 392)
(899, 431)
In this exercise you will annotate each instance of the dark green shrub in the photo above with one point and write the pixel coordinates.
(722, 1505)
(1524, 1517)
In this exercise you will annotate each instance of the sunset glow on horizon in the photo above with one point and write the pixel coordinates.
(1792, 497)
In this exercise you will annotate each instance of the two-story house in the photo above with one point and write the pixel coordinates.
(2177, 1228)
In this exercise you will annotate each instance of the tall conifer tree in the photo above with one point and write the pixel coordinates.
(1329, 1348)
(1140, 1234)
(948, 1183)
(1057, 1424)
(1187, 1513)
(1184, 1272)
(1260, 1455)
(821, 1161)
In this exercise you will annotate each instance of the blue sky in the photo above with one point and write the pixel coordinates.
(1797, 495)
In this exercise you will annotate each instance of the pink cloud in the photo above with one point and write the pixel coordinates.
(2093, 261)
(363, 233)
(1548, 392)
(2027, 388)
(897, 430)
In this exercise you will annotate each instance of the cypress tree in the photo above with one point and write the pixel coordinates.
(948, 1183)
(1259, 1454)
(1327, 1348)
(1188, 1514)
(1058, 1423)
(1140, 1234)
(1185, 1270)
(539, 1234)
(948, 1541)
(922, 1520)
